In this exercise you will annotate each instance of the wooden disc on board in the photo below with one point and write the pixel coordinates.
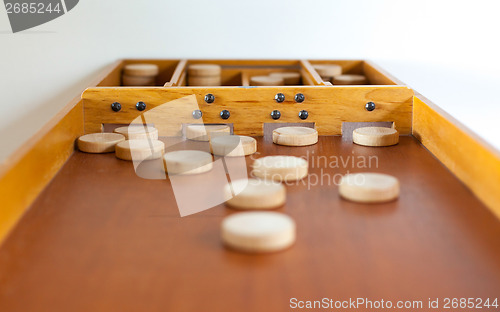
(187, 162)
(289, 78)
(142, 70)
(204, 81)
(295, 136)
(327, 71)
(204, 70)
(280, 168)
(138, 81)
(254, 194)
(99, 142)
(375, 136)
(138, 132)
(266, 81)
(349, 80)
(201, 132)
(369, 187)
(258, 231)
(233, 145)
(139, 150)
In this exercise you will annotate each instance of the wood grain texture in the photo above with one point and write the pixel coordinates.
(379, 76)
(99, 238)
(112, 76)
(250, 108)
(30, 169)
(472, 160)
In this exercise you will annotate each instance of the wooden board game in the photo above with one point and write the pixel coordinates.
(84, 232)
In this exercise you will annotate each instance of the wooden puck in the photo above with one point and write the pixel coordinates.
(233, 145)
(258, 231)
(187, 162)
(295, 136)
(205, 132)
(375, 136)
(280, 168)
(266, 81)
(138, 132)
(289, 78)
(99, 142)
(138, 80)
(349, 80)
(328, 70)
(139, 150)
(204, 81)
(200, 70)
(369, 187)
(142, 70)
(254, 194)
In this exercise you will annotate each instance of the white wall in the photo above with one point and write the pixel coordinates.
(447, 50)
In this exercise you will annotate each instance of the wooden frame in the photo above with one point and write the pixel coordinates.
(30, 169)
(250, 108)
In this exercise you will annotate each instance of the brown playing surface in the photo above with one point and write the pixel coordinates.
(99, 238)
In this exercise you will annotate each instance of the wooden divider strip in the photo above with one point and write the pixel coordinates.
(178, 73)
(311, 74)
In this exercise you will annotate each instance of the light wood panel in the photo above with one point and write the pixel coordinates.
(471, 159)
(250, 108)
(378, 76)
(113, 76)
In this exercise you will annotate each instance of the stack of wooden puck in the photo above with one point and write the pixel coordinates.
(328, 71)
(349, 80)
(333, 73)
(276, 79)
(204, 75)
(139, 75)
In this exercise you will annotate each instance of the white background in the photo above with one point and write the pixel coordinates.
(447, 50)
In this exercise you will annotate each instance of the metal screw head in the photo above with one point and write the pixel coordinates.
(299, 97)
(280, 97)
(275, 114)
(370, 106)
(225, 114)
(209, 98)
(116, 107)
(140, 106)
(303, 114)
(197, 114)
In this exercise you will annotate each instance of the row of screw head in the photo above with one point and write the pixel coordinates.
(140, 106)
(225, 114)
(116, 106)
(280, 98)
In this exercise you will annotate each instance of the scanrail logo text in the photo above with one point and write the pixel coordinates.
(26, 14)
